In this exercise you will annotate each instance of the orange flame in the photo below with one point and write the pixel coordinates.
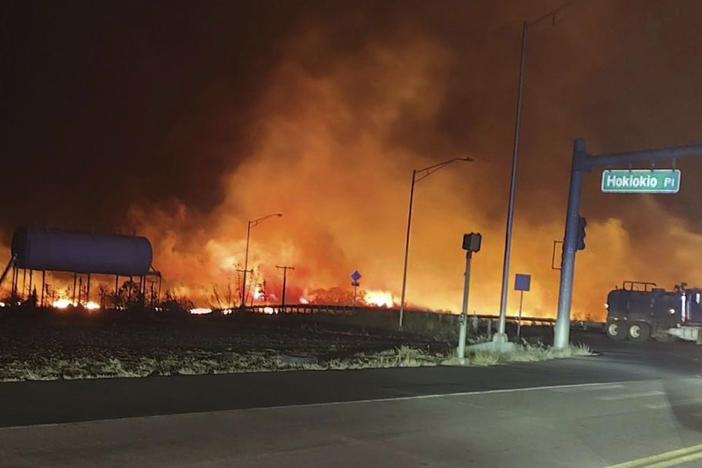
(379, 298)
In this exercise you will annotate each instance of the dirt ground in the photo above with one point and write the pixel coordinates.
(40, 344)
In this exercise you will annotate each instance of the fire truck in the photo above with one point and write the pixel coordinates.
(639, 310)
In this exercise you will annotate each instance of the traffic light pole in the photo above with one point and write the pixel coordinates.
(464, 312)
(582, 163)
(561, 336)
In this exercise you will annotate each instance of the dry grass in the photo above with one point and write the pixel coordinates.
(199, 363)
(528, 353)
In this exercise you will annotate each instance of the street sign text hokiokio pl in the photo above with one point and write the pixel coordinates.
(641, 181)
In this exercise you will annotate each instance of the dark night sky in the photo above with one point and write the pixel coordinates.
(105, 103)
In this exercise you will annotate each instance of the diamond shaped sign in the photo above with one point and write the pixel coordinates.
(355, 276)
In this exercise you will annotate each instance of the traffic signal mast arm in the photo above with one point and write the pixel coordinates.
(588, 161)
(582, 163)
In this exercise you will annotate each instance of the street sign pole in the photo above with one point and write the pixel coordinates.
(519, 317)
(522, 282)
(355, 276)
(565, 292)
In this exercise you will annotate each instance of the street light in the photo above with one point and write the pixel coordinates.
(252, 223)
(418, 175)
(500, 336)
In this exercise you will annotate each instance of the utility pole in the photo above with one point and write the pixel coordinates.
(285, 277)
(242, 286)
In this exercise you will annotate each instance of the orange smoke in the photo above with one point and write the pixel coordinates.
(327, 159)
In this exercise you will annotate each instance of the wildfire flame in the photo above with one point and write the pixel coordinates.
(379, 298)
(63, 303)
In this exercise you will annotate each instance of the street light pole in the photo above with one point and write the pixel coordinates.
(251, 223)
(423, 173)
(407, 240)
(501, 336)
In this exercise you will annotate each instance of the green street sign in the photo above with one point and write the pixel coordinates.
(641, 181)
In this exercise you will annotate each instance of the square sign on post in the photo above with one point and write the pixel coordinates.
(522, 282)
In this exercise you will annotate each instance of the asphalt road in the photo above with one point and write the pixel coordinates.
(629, 402)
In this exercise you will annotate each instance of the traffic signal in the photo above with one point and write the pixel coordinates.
(582, 222)
(472, 241)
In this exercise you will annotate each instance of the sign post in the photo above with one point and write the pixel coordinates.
(355, 276)
(521, 284)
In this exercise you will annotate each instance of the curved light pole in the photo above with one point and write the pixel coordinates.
(418, 175)
(252, 223)
(501, 336)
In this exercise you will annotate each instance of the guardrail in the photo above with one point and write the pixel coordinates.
(350, 310)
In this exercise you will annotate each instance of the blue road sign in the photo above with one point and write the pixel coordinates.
(522, 282)
(355, 276)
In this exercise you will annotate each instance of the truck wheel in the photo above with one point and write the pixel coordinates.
(639, 331)
(616, 330)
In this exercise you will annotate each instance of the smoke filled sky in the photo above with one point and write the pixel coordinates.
(183, 120)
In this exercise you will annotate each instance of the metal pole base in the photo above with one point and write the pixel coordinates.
(500, 338)
(561, 338)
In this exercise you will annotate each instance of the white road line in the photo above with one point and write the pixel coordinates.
(440, 395)
(588, 389)
(628, 396)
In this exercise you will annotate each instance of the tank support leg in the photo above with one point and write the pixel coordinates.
(75, 277)
(43, 286)
(15, 274)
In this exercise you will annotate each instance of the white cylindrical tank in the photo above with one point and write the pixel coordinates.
(55, 250)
